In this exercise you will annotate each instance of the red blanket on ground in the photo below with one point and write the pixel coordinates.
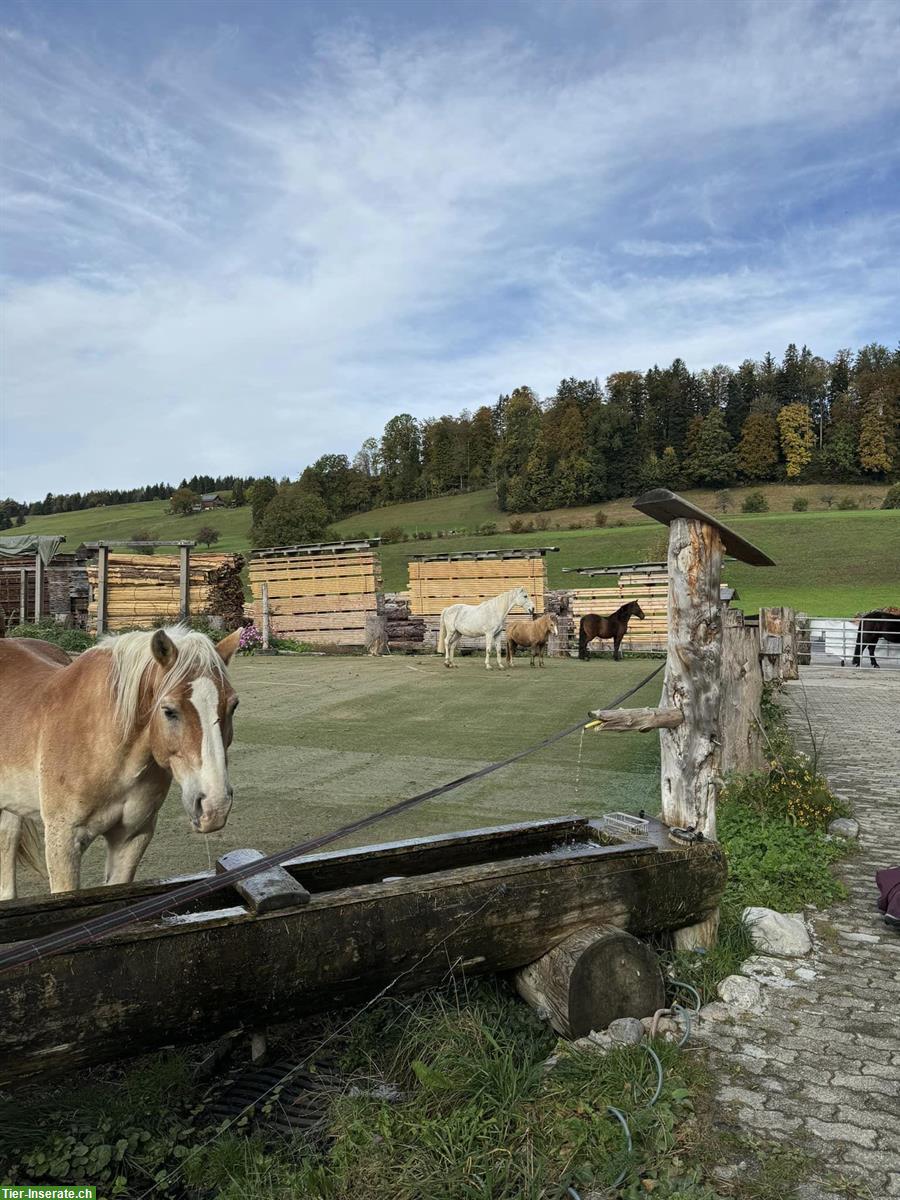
(888, 882)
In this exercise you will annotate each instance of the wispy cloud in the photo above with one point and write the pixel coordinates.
(212, 266)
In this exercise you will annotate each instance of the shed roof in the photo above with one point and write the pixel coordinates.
(665, 506)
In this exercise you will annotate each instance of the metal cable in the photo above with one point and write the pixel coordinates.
(156, 906)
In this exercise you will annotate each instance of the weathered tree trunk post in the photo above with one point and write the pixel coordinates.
(804, 646)
(742, 686)
(597, 975)
(184, 581)
(264, 606)
(376, 641)
(102, 587)
(691, 752)
(778, 644)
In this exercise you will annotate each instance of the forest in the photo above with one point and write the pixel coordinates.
(802, 419)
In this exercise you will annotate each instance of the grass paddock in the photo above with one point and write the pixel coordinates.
(320, 741)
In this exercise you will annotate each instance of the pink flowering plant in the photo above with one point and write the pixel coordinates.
(250, 640)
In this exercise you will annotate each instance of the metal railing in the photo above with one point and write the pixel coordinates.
(833, 641)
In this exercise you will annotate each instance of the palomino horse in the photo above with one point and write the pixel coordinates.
(880, 623)
(480, 620)
(90, 747)
(530, 635)
(615, 626)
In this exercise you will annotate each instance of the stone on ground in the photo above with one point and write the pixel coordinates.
(782, 934)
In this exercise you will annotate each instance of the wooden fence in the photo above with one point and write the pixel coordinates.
(142, 588)
(650, 591)
(323, 595)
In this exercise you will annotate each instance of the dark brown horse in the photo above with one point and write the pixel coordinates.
(880, 623)
(615, 626)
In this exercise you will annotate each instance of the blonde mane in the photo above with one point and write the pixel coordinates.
(132, 656)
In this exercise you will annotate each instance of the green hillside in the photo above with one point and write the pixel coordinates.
(830, 563)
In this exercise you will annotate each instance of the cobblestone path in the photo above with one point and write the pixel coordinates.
(820, 1068)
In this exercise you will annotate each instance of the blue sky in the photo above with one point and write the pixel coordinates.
(238, 235)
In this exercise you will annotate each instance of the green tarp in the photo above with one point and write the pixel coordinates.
(30, 543)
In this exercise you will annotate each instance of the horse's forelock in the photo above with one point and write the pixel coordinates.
(132, 658)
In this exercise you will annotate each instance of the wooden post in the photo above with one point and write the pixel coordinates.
(102, 586)
(23, 596)
(185, 581)
(778, 644)
(38, 588)
(376, 641)
(804, 645)
(264, 604)
(742, 686)
(597, 975)
(691, 752)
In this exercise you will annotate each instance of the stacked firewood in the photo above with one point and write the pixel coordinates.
(404, 631)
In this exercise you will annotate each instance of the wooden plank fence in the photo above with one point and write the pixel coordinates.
(326, 597)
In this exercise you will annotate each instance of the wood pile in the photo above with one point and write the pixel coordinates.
(143, 588)
(404, 631)
(322, 595)
(650, 591)
(11, 585)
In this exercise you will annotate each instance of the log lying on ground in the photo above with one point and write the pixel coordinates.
(596, 976)
(639, 720)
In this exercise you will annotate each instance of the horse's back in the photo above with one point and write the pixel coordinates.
(21, 653)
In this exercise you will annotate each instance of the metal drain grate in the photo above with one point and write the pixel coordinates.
(258, 1098)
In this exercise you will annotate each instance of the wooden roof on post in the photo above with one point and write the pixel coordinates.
(665, 506)
(475, 555)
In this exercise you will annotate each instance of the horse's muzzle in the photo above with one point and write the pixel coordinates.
(208, 817)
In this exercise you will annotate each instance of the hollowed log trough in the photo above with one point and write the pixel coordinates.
(401, 914)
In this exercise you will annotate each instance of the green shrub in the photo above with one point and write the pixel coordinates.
(800, 504)
(520, 525)
(575, 525)
(542, 521)
(394, 533)
(892, 497)
(847, 504)
(488, 529)
(827, 499)
(600, 518)
(73, 641)
(755, 502)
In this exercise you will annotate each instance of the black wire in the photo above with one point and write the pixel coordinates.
(155, 906)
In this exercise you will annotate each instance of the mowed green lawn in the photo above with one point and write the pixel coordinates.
(829, 563)
(321, 741)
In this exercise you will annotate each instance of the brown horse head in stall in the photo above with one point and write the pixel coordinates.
(592, 626)
(90, 747)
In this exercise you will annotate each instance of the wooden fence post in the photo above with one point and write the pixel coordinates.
(742, 686)
(184, 581)
(102, 587)
(38, 588)
(264, 607)
(778, 644)
(23, 595)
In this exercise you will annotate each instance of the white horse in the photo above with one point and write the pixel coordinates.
(480, 620)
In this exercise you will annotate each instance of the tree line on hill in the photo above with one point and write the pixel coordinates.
(804, 419)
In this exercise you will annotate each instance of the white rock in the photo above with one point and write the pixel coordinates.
(626, 1031)
(764, 970)
(807, 974)
(740, 993)
(782, 934)
(844, 827)
(717, 1011)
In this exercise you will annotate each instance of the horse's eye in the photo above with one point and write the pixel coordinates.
(171, 713)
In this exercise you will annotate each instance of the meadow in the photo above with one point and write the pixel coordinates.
(828, 562)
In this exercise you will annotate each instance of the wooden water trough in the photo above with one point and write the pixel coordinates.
(338, 927)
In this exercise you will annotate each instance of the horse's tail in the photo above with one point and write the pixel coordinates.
(442, 636)
(31, 847)
(582, 640)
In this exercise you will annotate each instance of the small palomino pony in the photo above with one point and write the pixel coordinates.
(90, 747)
(615, 626)
(480, 620)
(530, 635)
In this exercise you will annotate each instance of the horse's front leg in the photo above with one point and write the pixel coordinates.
(64, 845)
(10, 833)
(872, 646)
(124, 850)
(488, 643)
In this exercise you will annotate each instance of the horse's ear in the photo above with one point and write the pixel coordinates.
(163, 649)
(228, 645)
